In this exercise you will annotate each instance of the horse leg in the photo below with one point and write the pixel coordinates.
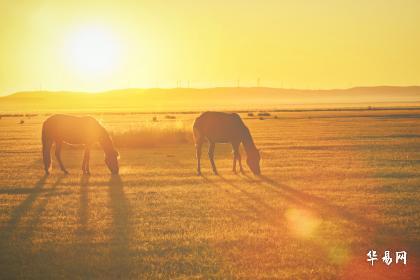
(198, 146)
(236, 156)
(85, 165)
(235, 153)
(211, 157)
(234, 163)
(46, 155)
(58, 156)
(87, 168)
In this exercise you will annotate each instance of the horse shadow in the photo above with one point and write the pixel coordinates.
(317, 204)
(249, 195)
(382, 234)
(84, 205)
(120, 211)
(24, 208)
(239, 199)
(324, 209)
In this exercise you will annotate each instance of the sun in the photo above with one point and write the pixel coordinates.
(93, 51)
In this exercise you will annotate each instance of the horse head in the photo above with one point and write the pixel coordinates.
(253, 161)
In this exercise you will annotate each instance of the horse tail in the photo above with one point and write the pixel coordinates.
(196, 132)
(46, 150)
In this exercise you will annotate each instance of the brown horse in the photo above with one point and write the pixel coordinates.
(217, 127)
(86, 131)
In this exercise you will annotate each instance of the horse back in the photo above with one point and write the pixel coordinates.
(72, 129)
(220, 127)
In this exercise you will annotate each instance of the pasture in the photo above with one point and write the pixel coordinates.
(334, 186)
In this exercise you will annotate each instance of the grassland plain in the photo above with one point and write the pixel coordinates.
(335, 185)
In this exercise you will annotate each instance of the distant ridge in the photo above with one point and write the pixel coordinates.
(381, 89)
(227, 98)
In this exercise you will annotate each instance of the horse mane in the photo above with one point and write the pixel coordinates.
(106, 141)
(248, 141)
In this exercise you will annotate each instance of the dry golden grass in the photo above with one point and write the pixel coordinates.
(335, 185)
(152, 134)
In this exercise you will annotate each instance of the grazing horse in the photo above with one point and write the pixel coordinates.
(217, 127)
(78, 131)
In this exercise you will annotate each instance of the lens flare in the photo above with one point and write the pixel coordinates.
(302, 223)
(338, 254)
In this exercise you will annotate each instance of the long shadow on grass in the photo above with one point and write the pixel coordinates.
(246, 203)
(249, 195)
(271, 215)
(12, 256)
(317, 204)
(13, 191)
(253, 203)
(120, 250)
(85, 247)
(22, 209)
(37, 212)
(380, 233)
(84, 206)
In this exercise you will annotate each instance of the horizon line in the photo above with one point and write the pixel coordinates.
(203, 88)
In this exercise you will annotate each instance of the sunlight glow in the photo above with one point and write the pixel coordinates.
(100, 45)
(93, 51)
(302, 223)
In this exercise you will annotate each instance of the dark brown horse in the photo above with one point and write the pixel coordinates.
(86, 131)
(217, 127)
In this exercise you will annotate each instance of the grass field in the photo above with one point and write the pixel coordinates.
(335, 185)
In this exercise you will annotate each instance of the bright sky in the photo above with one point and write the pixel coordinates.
(97, 45)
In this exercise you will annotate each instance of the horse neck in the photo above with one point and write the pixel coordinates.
(248, 142)
(106, 142)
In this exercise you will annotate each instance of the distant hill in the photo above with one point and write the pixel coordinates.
(186, 99)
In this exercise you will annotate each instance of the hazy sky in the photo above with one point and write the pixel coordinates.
(289, 43)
